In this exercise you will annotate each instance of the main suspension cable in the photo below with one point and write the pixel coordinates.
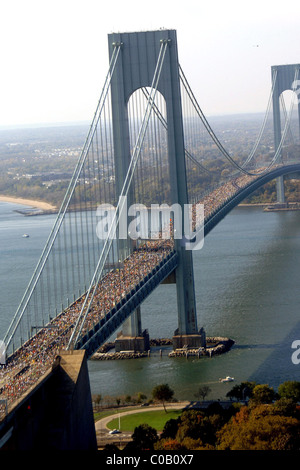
(216, 140)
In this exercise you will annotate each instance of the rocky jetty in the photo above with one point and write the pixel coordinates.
(106, 356)
(214, 345)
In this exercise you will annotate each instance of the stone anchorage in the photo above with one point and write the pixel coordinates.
(214, 346)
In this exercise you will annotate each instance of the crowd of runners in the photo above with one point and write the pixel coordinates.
(35, 357)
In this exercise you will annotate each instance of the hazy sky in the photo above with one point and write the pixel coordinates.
(54, 54)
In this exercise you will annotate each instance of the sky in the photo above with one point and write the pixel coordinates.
(54, 53)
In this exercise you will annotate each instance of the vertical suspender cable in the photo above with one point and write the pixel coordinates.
(60, 217)
(128, 179)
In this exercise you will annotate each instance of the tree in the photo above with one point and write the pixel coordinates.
(286, 407)
(127, 399)
(118, 401)
(140, 397)
(97, 399)
(263, 394)
(290, 389)
(170, 429)
(162, 393)
(202, 392)
(168, 444)
(259, 429)
(242, 391)
(195, 425)
(143, 438)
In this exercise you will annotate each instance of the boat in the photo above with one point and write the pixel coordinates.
(227, 379)
(25, 235)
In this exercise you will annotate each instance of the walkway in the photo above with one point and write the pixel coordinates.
(102, 431)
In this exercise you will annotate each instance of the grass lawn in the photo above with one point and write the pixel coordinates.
(102, 414)
(156, 419)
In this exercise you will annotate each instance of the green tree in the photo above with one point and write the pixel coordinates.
(242, 391)
(140, 397)
(162, 393)
(143, 438)
(170, 429)
(290, 389)
(127, 399)
(263, 394)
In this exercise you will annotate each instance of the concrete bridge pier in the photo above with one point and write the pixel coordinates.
(280, 190)
(132, 337)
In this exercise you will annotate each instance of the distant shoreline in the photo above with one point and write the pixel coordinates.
(46, 206)
(28, 202)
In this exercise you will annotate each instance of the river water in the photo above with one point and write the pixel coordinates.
(247, 288)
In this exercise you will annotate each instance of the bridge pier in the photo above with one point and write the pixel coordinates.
(132, 338)
(189, 341)
(280, 190)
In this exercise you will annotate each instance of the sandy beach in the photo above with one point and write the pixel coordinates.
(28, 202)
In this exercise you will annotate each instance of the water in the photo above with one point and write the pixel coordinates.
(247, 288)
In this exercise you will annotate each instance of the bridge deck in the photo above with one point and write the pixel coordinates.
(118, 293)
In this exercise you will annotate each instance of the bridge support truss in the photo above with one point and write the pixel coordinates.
(134, 70)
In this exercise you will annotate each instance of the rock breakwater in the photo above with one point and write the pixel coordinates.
(214, 346)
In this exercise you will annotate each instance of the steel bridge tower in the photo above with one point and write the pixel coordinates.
(134, 70)
(283, 76)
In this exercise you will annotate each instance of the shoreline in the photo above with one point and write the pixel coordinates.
(28, 202)
(46, 206)
(50, 207)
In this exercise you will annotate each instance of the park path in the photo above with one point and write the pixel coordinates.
(101, 424)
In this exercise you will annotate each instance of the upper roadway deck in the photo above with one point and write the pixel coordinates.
(119, 292)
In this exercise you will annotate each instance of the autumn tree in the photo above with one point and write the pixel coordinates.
(197, 425)
(259, 429)
(168, 444)
(286, 407)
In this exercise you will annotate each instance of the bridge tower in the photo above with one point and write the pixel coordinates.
(134, 70)
(285, 76)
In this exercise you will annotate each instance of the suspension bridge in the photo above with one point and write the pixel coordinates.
(146, 149)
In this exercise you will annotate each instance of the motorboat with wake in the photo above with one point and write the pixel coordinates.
(227, 379)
